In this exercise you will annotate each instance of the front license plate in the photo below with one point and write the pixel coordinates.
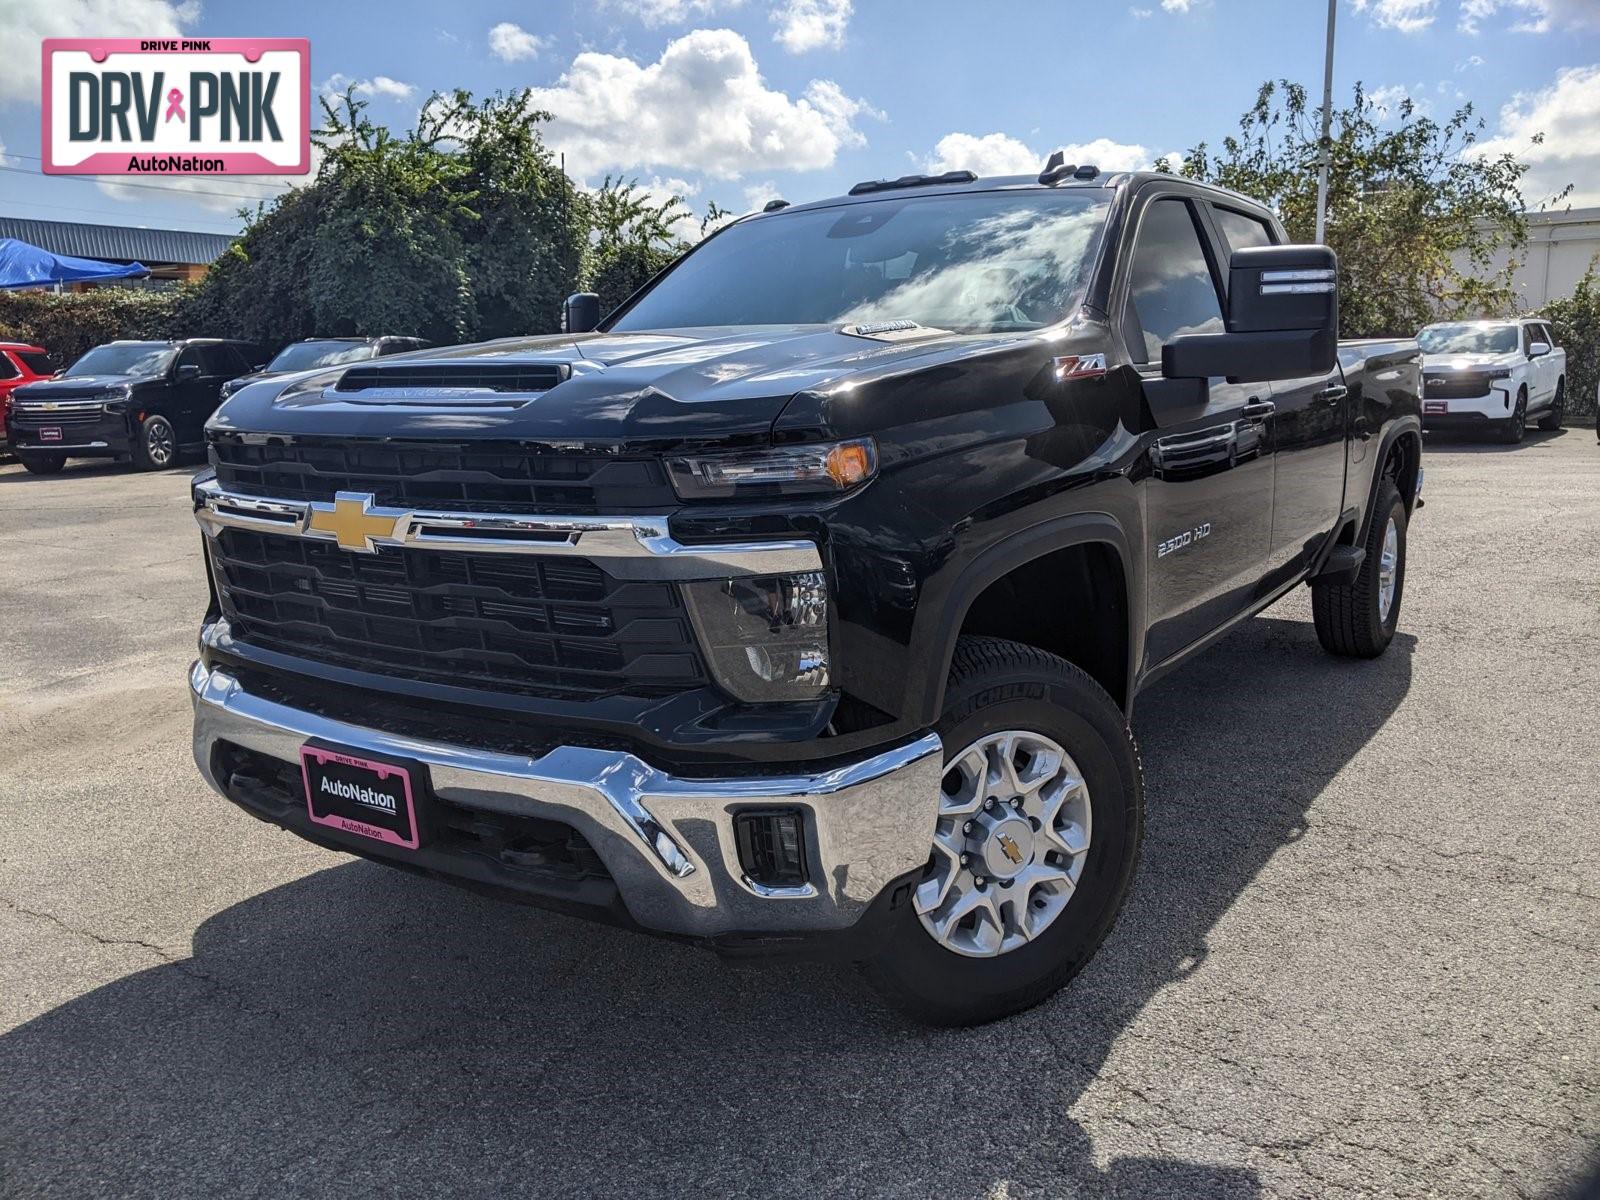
(50, 433)
(358, 795)
(1434, 406)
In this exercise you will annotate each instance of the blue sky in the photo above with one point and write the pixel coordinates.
(738, 100)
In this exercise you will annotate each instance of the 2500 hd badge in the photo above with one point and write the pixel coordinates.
(799, 604)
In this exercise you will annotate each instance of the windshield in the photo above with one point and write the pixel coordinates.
(1469, 339)
(985, 262)
(129, 358)
(302, 356)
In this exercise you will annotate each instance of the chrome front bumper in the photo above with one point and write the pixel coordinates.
(667, 842)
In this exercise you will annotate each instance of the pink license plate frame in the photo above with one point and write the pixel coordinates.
(384, 774)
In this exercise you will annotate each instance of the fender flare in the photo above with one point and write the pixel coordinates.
(1407, 426)
(936, 647)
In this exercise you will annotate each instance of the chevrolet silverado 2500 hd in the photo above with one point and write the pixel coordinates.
(801, 605)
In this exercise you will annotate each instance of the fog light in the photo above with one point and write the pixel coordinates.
(765, 637)
(772, 847)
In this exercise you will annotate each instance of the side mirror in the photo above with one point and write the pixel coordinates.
(1538, 349)
(1282, 320)
(580, 313)
(186, 372)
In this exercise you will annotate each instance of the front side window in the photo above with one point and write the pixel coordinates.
(129, 358)
(37, 362)
(1170, 287)
(1469, 338)
(976, 262)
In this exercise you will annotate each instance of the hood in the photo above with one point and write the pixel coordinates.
(78, 386)
(682, 386)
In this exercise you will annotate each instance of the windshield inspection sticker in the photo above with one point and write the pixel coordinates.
(177, 106)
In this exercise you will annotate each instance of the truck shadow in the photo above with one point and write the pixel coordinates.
(360, 1031)
(1467, 442)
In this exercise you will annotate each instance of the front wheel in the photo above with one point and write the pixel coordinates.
(1358, 619)
(1515, 427)
(1041, 813)
(42, 463)
(1551, 421)
(155, 445)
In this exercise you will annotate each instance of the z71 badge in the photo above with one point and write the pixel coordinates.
(1187, 537)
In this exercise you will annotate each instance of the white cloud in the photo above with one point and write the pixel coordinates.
(669, 12)
(1177, 6)
(1471, 63)
(1002, 154)
(510, 42)
(757, 195)
(23, 23)
(1141, 14)
(379, 85)
(1568, 114)
(702, 106)
(811, 24)
(1388, 101)
(1530, 16)
(1405, 16)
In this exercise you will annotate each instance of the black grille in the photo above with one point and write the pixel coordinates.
(532, 625)
(480, 478)
(34, 420)
(1455, 387)
(498, 377)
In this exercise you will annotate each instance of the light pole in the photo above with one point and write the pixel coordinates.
(1323, 146)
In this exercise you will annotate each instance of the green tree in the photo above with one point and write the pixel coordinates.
(634, 237)
(1408, 199)
(1576, 320)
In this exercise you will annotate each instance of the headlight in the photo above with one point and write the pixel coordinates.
(1498, 373)
(776, 471)
(765, 637)
(116, 398)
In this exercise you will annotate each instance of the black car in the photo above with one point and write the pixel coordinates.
(800, 605)
(144, 401)
(325, 352)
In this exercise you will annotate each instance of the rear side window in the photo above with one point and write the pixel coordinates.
(39, 364)
(220, 360)
(1242, 232)
(1548, 335)
(8, 369)
(1170, 288)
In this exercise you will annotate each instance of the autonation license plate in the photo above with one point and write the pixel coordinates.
(50, 433)
(361, 796)
(1434, 406)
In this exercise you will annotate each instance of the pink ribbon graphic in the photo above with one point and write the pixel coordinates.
(175, 105)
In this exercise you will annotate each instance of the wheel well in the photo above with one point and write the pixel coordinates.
(1071, 602)
(1402, 465)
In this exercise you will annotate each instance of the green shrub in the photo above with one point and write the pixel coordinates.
(1576, 321)
(69, 323)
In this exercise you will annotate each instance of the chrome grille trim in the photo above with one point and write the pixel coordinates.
(625, 547)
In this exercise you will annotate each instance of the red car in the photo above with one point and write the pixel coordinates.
(20, 363)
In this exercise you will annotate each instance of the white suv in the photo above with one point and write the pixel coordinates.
(1492, 374)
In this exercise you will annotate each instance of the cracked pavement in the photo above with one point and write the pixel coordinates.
(1360, 956)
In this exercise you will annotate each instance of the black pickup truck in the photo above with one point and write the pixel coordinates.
(800, 605)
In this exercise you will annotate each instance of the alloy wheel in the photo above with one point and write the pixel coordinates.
(159, 443)
(1009, 846)
(1388, 570)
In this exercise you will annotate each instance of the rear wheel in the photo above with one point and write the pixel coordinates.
(1358, 619)
(155, 447)
(1041, 813)
(42, 463)
(1551, 421)
(1515, 427)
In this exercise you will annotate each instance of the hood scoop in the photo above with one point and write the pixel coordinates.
(449, 384)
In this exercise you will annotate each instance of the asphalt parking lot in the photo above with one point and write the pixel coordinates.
(1361, 957)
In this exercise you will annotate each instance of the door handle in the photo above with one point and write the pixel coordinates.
(1259, 408)
(1333, 393)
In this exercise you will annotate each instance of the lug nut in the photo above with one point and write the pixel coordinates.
(965, 859)
(1016, 802)
(966, 827)
(980, 882)
(989, 804)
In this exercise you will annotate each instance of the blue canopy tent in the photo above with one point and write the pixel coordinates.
(24, 265)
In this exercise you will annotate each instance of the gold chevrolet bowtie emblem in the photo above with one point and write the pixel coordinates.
(354, 523)
(1009, 847)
